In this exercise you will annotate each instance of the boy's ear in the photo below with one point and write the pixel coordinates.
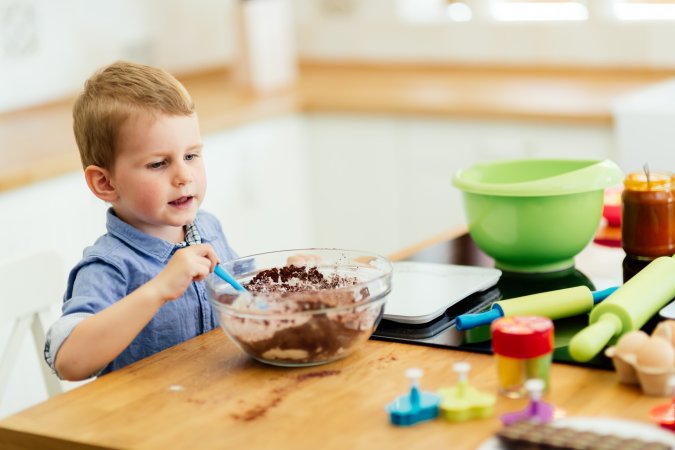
(99, 182)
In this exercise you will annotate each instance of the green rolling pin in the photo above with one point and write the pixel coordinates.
(627, 309)
(557, 304)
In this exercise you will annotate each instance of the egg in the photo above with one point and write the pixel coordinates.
(666, 330)
(630, 343)
(656, 353)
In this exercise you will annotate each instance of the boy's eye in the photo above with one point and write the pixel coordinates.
(156, 165)
(191, 156)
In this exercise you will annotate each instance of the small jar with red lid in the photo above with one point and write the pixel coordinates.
(523, 348)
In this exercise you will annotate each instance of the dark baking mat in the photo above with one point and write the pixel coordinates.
(441, 332)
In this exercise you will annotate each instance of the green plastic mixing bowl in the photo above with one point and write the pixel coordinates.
(535, 215)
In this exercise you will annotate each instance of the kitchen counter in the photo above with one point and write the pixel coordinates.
(37, 143)
(205, 393)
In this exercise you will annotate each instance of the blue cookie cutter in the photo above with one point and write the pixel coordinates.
(417, 406)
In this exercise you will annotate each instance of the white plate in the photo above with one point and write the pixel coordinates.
(605, 425)
(423, 291)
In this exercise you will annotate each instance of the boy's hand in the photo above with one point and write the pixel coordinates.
(302, 259)
(192, 263)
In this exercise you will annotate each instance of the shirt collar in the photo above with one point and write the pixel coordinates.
(192, 235)
(150, 245)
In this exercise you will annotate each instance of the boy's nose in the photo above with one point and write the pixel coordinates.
(183, 174)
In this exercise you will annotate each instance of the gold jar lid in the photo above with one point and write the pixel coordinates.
(657, 181)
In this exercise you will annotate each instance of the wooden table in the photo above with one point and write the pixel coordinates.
(205, 393)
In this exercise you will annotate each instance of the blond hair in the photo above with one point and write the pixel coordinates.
(111, 96)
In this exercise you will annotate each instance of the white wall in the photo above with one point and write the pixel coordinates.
(643, 124)
(48, 48)
(371, 30)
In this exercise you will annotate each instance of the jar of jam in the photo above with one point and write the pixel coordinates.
(648, 215)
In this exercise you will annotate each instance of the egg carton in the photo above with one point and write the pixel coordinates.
(646, 360)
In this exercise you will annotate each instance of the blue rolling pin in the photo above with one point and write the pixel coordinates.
(556, 304)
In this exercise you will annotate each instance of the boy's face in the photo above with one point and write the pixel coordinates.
(158, 174)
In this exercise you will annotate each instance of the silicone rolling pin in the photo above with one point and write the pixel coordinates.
(553, 304)
(627, 309)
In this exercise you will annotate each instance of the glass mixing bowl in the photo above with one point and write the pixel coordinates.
(284, 320)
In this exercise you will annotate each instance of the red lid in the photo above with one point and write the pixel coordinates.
(522, 336)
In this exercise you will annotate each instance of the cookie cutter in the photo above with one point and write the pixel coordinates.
(416, 406)
(537, 410)
(463, 401)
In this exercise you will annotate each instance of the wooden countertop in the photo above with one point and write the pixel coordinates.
(37, 143)
(207, 394)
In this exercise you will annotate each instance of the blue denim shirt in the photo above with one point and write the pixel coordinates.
(121, 261)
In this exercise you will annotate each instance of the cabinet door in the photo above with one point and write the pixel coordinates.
(355, 181)
(258, 179)
(434, 150)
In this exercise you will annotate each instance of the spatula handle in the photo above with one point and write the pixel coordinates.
(222, 273)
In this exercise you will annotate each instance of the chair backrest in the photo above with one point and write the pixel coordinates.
(29, 286)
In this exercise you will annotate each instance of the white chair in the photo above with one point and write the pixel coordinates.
(29, 286)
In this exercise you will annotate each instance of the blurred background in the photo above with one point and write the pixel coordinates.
(48, 47)
(332, 123)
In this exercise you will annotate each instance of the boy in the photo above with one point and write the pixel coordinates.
(139, 289)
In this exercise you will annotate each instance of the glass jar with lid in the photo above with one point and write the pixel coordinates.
(648, 215)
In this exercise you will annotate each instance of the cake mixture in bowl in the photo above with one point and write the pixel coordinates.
(302, 307)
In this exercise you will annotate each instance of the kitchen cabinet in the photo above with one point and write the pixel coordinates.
(409, 162)
(356, 188)
(258, 179)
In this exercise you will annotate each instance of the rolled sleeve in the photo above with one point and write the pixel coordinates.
(58, 333)
(93, 286)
